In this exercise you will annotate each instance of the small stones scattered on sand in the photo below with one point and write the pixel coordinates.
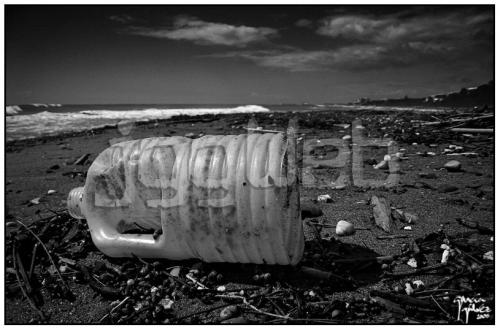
(344, 228)
(453, 166)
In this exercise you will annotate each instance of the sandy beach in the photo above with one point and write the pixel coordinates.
(36, 166)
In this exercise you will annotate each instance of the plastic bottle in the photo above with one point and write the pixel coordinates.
(232, 198)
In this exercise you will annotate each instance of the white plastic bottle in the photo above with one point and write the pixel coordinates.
(232, 198)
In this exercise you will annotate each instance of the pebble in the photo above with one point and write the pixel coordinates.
(445, 256)
(419, 284)
(228, 312)
(344, 228)
(446, 188)
(166, 303)
(335, 313)
(425, 175)
(325, 198)
(409, 290)
(50, 192)
(488, 255)
(412, 263)
(453, 166)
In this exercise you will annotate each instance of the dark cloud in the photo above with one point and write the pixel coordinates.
(368, 42)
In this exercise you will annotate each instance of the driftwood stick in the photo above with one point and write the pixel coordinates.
(474, 130)
(417, 271)
(31, 303)
(46, 251)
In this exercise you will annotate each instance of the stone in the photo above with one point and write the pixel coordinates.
(453, 166)
(344, 228)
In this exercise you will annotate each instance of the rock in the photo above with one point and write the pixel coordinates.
(412, 263)
(409, 289)
(228, 312)
(425, 175)
(381, 213)
(335, 313)
(325, 199)
(190, 135)
(445, 256)
(446, 188)
(35, 201)
(166, 303)
(453, 166)
(50, 192)
(175, 271)
(488, 256)
(344, 228)
(407, 228)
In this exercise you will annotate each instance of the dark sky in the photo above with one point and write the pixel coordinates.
(243, 54)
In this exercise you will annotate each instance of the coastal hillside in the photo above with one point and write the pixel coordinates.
(482, 96)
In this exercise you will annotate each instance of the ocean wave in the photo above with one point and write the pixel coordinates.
(48, 123)
(11, 110)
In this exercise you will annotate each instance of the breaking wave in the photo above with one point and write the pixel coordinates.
(48, 123)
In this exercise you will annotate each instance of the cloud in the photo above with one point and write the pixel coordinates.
(206, 33)
(297, 60)
(304, 23)
(450, 27)
(122, 18)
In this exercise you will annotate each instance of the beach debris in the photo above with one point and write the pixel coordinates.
(51, 191)
(403, 216)
(477, 226)
(175, 271)
(81, 160)
(392, 236)
(384, 164)
(445, 256)
(488, 256)
(381, 213)
(412, 262)
(35, 201)
(228, 312)
(409, 289)
(344, 228)
(453, 166)
(166, 303)
(418, 284)
(325, 199)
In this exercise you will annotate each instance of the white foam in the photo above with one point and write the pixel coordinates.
(12, 110)
(49, 123)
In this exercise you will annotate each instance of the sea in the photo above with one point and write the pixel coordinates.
(42, 120)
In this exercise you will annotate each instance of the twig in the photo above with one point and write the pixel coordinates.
(31, 303)
(46, 251)
(441, 308)
(392, 236)
(244, 300)
(33, 256)
(114, 308)
(417, 271)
